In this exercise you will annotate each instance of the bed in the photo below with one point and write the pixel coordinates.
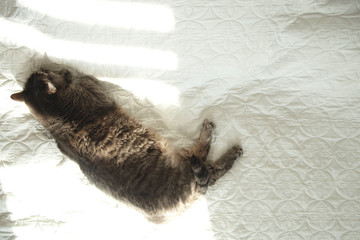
(282, 78)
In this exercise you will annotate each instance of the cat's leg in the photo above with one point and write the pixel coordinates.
(218, 168)
(204, 142)
(202, 145)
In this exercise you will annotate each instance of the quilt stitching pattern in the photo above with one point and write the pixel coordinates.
(279, 77)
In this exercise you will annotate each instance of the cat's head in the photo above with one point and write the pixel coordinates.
(42, 88)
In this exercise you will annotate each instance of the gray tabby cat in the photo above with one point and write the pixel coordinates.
(116, 153)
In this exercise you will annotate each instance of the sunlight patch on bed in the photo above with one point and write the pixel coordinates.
(61, 198)
(156, 92)
(22, 35)
(128, 15)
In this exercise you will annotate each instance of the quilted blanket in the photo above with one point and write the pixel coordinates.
(282, 78)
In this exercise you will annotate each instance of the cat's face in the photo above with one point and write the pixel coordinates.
(42, 88)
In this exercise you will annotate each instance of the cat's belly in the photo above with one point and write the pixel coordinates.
(148, 183)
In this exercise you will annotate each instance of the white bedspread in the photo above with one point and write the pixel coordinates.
(282, 78)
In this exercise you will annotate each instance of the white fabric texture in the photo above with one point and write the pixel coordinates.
(282, 78)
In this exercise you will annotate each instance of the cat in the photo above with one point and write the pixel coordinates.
(115, 152)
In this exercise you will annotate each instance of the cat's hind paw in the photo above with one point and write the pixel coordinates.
(237, 150)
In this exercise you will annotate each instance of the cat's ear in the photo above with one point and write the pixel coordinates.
(18, 96)
(50, 88)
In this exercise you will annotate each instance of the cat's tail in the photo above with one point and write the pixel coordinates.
(199, 171)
